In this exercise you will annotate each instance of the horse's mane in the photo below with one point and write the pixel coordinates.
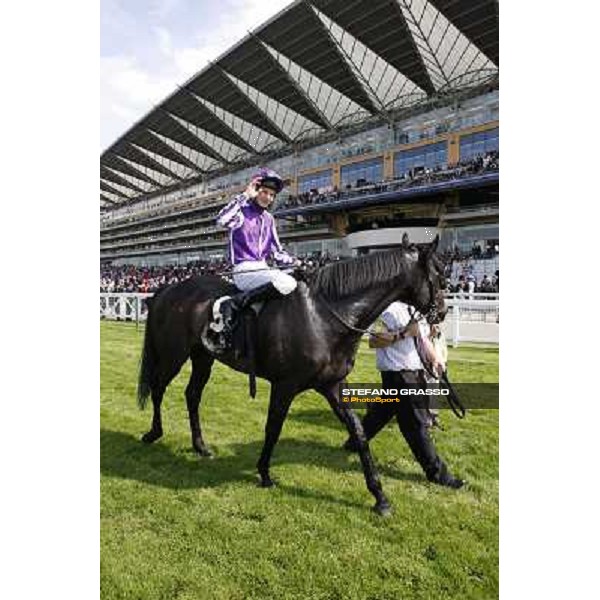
(341, 279)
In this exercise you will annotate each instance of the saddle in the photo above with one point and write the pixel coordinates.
(240, 342)
(241, 338)
(215, 330)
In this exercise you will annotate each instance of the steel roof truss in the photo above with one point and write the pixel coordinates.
(116, 162)
(136, 155)
(107, 173)
(150, 141)
(107, 188)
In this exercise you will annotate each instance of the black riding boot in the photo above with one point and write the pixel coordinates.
(231, 309)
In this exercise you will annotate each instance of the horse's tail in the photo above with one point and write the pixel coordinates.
(148, 361)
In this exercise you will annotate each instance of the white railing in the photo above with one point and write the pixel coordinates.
(467, 320)
(123, 307)
(473, 296)
(472, 321)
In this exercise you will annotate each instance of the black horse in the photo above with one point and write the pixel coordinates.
(307, 340)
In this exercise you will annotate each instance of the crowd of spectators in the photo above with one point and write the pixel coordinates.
(468, 284)
(463, 276)
(143, 279)
(136, 279)
(415, 177)
(476, 252)
(462, 273)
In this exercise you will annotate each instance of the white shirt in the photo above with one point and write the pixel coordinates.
(403, 353)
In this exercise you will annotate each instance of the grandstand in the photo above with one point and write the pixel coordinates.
(381, 115)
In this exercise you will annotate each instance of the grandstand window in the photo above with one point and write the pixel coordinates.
(463, 238)
(476, 144)
(314, 181)
(430, 156)
(318, 157)
(367, 170)
(400, 137)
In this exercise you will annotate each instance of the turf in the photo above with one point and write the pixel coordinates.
(174, 526)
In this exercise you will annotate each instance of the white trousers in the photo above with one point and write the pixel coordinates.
(252, 274)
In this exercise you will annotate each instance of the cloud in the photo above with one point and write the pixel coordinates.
(163, 8)
(132, 82)
(164, 41)
(128, 91)
(123, 111)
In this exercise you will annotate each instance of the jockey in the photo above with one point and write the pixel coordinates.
(253, 238)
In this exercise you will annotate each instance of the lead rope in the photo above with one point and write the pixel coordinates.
(418, 349)
(455, 404)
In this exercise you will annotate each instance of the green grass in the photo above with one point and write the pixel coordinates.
(174, 526)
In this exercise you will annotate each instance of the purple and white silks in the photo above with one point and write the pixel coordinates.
(252, 233)
(253, 238)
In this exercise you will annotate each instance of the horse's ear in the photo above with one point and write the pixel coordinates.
(405, 242)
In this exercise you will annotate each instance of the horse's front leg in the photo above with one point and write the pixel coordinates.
(201, 367)
(359, 440)
(279, 405)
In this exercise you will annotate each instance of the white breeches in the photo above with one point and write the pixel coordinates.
(252, 274)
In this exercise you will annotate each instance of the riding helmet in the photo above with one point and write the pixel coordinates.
(269, 179)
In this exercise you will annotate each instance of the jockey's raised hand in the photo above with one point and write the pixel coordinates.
(252, 190)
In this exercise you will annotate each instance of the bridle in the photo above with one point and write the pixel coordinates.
(432, 314)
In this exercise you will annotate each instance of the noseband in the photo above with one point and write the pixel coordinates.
(432, 314)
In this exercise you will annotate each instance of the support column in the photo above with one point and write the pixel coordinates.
(294, 185)
(455, 325)
(336, 175)
(338, 223)
(453, 149)
(388, 165)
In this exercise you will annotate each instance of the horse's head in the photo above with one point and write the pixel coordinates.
(428, 294)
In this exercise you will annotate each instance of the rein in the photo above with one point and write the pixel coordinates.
(432, 311)
(344, 322)
(457, 408)
(453, 401)
(323, 300)
(234, 272)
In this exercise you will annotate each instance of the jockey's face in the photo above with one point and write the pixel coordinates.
(265, 197)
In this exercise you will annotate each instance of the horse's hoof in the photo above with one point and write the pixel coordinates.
(266, 482)
(456, 484)
(451, 482)
(151, 436)
(383, 510)
(204, 452)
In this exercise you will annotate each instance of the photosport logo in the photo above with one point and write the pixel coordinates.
(383, 395)
(425, 395)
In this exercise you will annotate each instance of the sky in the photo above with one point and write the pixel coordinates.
(148, 47)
